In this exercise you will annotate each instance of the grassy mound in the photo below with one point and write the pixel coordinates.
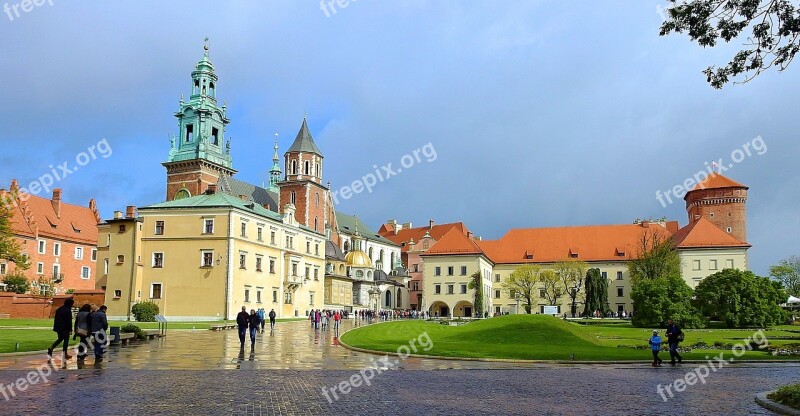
(787, 395)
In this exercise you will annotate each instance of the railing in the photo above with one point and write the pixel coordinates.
(58, 277)
(294, 279)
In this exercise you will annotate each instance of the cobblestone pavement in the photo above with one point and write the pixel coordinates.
(287, 371)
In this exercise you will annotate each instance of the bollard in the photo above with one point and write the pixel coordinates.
(16, 347)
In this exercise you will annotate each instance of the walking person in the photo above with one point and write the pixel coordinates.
(271, 319)
(99, 327)
(262, 316)
(674, 336)
(242, 322)
(336, 319)
(655, 346)
(255, 323)
(82, 327)
(62, 325)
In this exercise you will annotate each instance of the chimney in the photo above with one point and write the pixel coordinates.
(14, 185)
(130, 212)
(57, 202)
(212, 189)
(645, 224)
(469, 235)
(407, 226)
(117, 215)
(430, 224)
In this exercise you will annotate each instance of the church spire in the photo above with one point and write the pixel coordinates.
(275, 172)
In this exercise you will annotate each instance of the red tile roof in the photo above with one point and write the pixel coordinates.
(590, 243)
(454, 242)
(716, 181)
(703, 233)
(405, 235)
(37, 217)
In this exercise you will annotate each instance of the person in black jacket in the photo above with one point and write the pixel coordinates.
(673, 338)
(242, 322)
(271, 319)
(255, 324)
(99, 327)
(62, 325)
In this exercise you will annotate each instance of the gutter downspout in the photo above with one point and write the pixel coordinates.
(133, 269)
(229, 268)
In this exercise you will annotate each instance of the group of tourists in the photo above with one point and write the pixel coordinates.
(91, 326)
(253, 322)
(674, 337)
(321, 319)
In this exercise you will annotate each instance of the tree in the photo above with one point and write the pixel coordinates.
(570, 273)
(657, 300)
(476, 284)
(773, 41)
(16, 282)
(522, 281)
(741, 299)
(596, 293)
(656, 257)
(145, 311)
(10, 249)
(788, 273)
(552, 286)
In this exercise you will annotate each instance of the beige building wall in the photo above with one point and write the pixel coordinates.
(452, 279)
(699, 263)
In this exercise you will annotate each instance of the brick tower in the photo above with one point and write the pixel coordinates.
(199, 155)
(721, 201)
(302, 185)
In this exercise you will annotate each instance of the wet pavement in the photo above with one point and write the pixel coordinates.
(288, 369)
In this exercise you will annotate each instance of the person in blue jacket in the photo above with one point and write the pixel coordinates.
(655, 346)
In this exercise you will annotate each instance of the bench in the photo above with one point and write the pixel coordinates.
(125, 337)
(219, 327)
(150, 333)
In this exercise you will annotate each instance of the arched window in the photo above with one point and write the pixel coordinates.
(370, 254)
(381, 258)
(307, 168)
(346, 245)
(315, 224)
(211, 88)
(341, 269)
(391, 256)
(293, 167)
(196, 87)
(399, 299)
(317, 197)
(388, 299)
(359, 273)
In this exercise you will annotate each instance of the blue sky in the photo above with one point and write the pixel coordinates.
(542, 113)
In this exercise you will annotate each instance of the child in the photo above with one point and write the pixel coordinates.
(655, 346)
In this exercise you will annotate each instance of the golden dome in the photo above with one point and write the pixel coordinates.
(357, 258)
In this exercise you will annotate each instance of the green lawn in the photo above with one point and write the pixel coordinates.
(48, 323)
(537, 337)
(29, 339)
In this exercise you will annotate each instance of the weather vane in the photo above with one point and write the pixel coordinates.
(205, 47)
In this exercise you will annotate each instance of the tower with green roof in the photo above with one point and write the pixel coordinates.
(201, 153)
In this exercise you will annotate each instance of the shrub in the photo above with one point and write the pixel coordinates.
(787, 395)
(145, 311)
(16, 282)
(132, 329)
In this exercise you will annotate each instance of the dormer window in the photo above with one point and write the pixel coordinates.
(189, 133)
(215, 136)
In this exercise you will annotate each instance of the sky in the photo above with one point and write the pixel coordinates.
(523, 113)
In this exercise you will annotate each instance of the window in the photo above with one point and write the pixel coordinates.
(604, 275)
(244, 229)
(311, 299)
(497, 309)
(247, 295)
(450, 270)
(696, 281)
(214, 132)
(258, 264)
(39, 268)
(437, 271)
(308, 247)
(260, 234)
(696, 265)
(316, 249)
(316, 274)
(289, 242)
(619, 275)
(117, 294)
(542, 293)
(293, 197)
(451, 289)
(416, 267)
(120, 259)
(272, 267)
(207, 259)
(155, 291)
(497, 278)
(158, 260)
(497, 294)
(242, 260)
(308, 273)
(86, 273)
(437, 289)
(729, 264)
(463, 270)
(712, 265)
(272, 237)
(94, 254)
(190, 129)
(463, 288)
(512, 293)
(414, 285)
(78, 253)
(258, 296)
(122, 228)
(274, 296)
(159, 227)
(729, 229)
(620, 292)
(425, 244)
(287, 297)
(208, 227)
(105, 266)
(56, 271)
(3, 268)
(42, 247)
(56, 249)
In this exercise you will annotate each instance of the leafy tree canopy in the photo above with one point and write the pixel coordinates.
(741, 299)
